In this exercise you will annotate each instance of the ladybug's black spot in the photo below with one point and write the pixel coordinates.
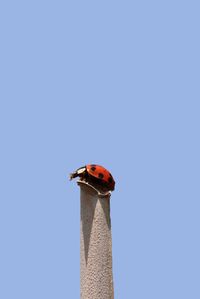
(100, 175)
(110, 180)
(93, 168)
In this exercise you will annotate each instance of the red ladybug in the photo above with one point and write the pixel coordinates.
(96, 174)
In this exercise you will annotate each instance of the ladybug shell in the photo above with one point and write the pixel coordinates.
(102, 174)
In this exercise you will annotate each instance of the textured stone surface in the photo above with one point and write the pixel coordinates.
(96, 246)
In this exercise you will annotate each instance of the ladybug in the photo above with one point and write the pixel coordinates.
(95, 174)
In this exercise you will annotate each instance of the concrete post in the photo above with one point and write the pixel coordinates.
(96, 278)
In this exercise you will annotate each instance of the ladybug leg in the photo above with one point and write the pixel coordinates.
(82, 177)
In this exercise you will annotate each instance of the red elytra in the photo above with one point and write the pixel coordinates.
(95, 172)
(102, 174)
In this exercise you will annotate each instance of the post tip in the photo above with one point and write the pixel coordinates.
(100, 193)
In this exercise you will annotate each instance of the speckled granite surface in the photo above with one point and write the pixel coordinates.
(96, 276)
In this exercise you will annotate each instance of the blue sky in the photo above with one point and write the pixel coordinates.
(114, 83)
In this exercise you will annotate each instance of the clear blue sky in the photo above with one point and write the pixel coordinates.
(108, 82)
